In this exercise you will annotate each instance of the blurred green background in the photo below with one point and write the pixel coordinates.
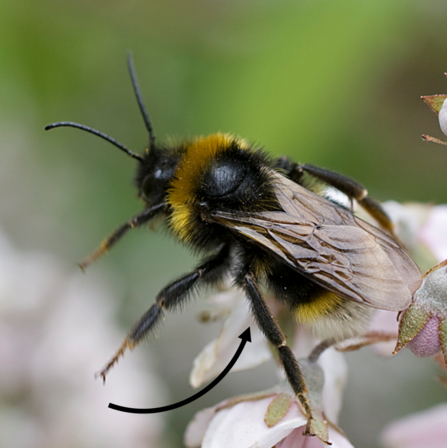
(335, 84)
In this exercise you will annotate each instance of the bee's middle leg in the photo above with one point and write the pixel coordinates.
(169, 298)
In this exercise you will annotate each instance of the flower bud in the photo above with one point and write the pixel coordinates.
(426, 342)
(423, 326)
(443, 117)
(437, 103)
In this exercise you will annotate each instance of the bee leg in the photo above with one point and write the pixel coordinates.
(374, 209)
(169, 298)
(136, 221)
(276, 337)
(352, 189)
(291, 168)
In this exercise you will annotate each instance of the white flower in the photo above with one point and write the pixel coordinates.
(216, 355)
(271, 417)
(421, 228)
(243, 426)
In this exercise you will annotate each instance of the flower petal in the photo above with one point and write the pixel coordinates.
(433, 234)
(426, 429)
(338, 440)
(217, 354)
(334, 368)
(243, 426)
(296, 440)
(335, 374)
(197, 427)
(407, 220)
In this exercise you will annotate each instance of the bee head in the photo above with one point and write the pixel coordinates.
(155, 172)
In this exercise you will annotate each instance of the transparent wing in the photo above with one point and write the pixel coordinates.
(331, 246)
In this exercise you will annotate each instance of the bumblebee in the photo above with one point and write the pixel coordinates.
(257, 220)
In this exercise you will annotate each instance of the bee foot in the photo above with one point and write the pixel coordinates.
(103, 373)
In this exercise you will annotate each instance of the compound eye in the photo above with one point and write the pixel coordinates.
(224, 178)
(151, 183)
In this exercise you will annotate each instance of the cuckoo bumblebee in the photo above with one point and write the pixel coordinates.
(257, 219)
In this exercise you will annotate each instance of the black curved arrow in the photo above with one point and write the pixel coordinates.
(245, 336)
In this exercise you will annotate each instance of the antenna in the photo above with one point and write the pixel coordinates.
(111, 140)
(136, 89)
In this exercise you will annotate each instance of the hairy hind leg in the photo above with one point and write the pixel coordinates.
(346, 185)
(276, 337)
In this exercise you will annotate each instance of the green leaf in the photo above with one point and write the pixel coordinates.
(434, 102)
